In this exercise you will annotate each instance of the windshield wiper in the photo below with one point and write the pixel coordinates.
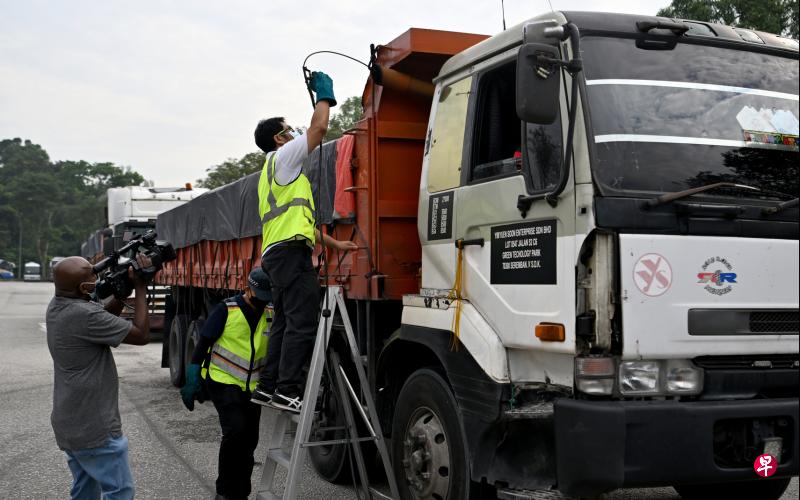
(781, 207)
(666, 198)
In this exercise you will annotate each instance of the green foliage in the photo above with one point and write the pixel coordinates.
(348, 115)
(772, 16)
(231, 170)
(55, 204)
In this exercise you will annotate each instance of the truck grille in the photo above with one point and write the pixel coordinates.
(775, 322)
(756, 362)
(743, 322)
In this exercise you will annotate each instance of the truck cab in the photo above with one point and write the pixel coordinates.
(609, 228)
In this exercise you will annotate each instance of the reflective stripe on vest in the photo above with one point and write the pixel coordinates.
(286, 211)
(232, 353)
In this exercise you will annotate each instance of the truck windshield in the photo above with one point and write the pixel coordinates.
(668, 120)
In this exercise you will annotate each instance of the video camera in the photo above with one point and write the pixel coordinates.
(112, 272)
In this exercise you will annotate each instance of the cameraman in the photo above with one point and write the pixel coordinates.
(85, 414)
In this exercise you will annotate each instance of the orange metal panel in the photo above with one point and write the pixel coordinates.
(389, 142)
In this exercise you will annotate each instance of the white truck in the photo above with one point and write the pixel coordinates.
(622, 195)
(131, 211)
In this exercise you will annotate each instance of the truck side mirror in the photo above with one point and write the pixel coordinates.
(538, 83)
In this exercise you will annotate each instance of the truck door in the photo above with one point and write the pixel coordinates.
(524, 274)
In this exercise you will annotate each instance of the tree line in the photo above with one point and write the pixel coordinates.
(49, 208)
(772, 16)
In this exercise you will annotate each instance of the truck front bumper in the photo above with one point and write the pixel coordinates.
(604, 445)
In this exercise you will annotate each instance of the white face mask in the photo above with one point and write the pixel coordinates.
(294, 134)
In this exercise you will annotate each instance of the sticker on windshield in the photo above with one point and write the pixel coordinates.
(769, 126)
(652, 274)
(717, 276)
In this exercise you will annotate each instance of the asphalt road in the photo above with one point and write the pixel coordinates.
(173, 452)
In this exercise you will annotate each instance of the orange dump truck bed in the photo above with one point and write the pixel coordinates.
(386, 165)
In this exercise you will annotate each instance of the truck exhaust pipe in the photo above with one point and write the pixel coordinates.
(396, 80)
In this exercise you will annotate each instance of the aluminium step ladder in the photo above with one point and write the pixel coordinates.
(300, 424)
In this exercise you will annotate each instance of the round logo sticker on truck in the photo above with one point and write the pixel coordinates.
(717, 275)
(652, 274)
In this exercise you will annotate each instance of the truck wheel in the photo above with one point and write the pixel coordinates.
(763, 489)
(192, 338)
(429, 453)
(177, 340)
(332, 462)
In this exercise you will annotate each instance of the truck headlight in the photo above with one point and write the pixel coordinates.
(639, 377)
(682, 377)
(595, 375)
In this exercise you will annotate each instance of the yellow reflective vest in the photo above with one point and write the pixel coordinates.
(238, 356)
(287, 212)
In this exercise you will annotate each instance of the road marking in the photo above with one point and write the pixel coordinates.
(43, 327)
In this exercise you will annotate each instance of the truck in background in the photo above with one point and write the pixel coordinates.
(32, 272)
(131, 211)
(578, 258)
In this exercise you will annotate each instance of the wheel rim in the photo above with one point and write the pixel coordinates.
(426, 456)
(323, 420)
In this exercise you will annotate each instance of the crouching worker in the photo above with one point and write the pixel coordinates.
(230, 353)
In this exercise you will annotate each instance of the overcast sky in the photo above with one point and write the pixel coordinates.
(171, 88)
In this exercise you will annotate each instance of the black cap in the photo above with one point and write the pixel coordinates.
(260, 285)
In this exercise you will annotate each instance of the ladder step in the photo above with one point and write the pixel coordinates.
(268, 495)
(280, 456)
(329, 442)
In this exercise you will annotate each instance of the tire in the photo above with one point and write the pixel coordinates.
(332, 462)
(427, 422)
(192, 338)
(169, 315)
(177, 341)
(763, 489)
(336, 463)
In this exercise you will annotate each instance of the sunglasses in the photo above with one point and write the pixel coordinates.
(285, 131)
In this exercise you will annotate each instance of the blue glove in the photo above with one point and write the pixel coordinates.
(323, 86)
(192, 386)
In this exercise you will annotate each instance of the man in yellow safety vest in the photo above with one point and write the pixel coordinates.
(286, 208)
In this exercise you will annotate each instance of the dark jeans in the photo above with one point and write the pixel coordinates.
(239, 420)
(295, 296)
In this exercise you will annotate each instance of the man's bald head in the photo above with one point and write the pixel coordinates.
(69, 274)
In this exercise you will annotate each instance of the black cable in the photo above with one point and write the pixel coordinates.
(325, 312)
(336, 54)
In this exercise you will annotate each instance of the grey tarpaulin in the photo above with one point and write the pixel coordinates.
(231, 211)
